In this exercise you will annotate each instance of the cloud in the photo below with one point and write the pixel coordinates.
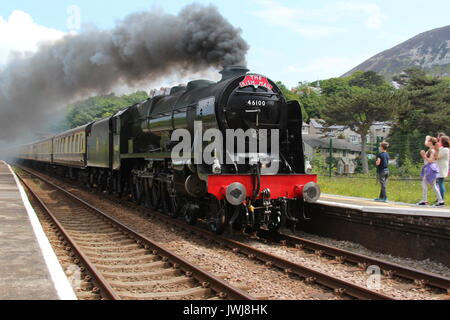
(319, 22)
(301, 21)
(374, 16)
(21, 35)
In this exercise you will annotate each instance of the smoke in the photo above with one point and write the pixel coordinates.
(145, 46)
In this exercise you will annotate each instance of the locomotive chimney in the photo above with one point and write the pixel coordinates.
(229, 72)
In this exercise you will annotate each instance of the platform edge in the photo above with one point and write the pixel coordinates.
(61, 283)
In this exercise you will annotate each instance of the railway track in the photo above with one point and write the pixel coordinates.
(309, 275)
(338, 286)
(121, 263)
(420, 278)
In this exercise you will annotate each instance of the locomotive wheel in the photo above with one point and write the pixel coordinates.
(239, 211)
(174, 206)
(137, 190)
(110, 183)
(190, 213)
(278, 218)
(219, 221)
(155, 195)
(165, 204)
(147, 194)
(277, 221)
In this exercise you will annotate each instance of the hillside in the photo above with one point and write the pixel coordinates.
(429, 50)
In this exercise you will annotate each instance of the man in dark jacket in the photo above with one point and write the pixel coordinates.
(383, 171)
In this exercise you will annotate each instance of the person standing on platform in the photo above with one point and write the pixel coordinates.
(383, 171)
(443, 163)
(430, 171)
(440, 135)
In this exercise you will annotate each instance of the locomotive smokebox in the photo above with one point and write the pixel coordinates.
(230, 72)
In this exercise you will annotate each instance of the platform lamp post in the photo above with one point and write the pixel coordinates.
(330, 160)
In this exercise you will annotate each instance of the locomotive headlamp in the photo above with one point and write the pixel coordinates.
(311, 192)
(236, 194)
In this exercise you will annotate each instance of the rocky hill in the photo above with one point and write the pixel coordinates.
(429, 50)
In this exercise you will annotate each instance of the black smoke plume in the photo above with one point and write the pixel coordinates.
(144, 46)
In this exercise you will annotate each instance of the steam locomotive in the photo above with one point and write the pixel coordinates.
(132, 154)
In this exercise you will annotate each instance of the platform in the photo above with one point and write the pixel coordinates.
(370, 206)
(398, 229)
(29, 268)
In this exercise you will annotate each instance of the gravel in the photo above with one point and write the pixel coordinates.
(257, 279)
(424, 265)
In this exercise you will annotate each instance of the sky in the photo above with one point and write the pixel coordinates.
(289, 40)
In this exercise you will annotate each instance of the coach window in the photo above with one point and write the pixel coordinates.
(68, 144)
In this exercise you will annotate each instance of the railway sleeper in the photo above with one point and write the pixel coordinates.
(156, 275)
(154, 283)
(136, 260)
(189, 294)
(133, 268)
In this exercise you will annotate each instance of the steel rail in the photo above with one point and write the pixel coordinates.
(106, 290)
(310, 275)
(391, 269)
(206, 279)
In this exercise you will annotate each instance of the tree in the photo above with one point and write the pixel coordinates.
(427, 112)
(310, 99)
(334, 86)
(369, 79)
(359, 108)
(95, 108)
(291, 96)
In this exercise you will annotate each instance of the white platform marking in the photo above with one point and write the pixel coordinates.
(60, 280)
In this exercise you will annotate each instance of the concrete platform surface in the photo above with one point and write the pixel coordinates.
(29, 269)
(370, 206)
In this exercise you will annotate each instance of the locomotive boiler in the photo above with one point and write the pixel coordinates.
(132, 154)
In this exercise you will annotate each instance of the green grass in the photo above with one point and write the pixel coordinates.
(398, 191)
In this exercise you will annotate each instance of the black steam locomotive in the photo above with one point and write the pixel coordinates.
(130, 154)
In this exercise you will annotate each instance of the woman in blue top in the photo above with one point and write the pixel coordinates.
(430, 171)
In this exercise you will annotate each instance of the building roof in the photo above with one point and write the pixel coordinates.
(320, 124)
(339, 144)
